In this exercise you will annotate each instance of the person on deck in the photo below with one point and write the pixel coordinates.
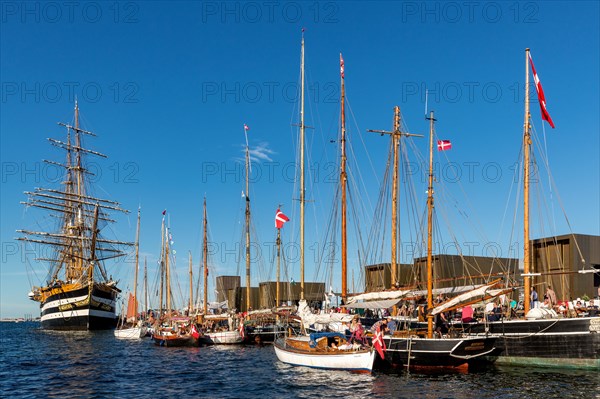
(534, 298)
(467, 314)
(551, 297)
(392, 325)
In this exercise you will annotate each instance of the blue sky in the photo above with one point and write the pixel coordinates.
(168, 86)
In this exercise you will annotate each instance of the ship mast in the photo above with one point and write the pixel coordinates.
(137, 262)
(526, 154)
(302, 183)
(168, 273)
(430, 231)
(191, 302)
(343, 183)
(247, 224)
(278, 242)
(78, 244)
(145, 287)
(395, 135)
(205, 260)
(162, 264)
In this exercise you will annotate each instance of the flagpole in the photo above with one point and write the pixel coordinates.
(526, 154)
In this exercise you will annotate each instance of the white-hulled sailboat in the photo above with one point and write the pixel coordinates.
(130, 327)
(323, 350)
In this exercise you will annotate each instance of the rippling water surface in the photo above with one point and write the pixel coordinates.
(36, 363)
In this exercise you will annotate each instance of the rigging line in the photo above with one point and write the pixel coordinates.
(552, 183)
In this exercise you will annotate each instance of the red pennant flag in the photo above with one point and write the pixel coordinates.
(443, 145)
(164, 212)
(540, 94)
(341, 66)
(378, 342)
(246, 128)
(280, 219)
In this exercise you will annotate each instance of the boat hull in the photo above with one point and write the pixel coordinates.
(80, 309)
(419, 352)
(130, 333)
(267, 333)
(172, 340)
(356, 361)
(567, 342)
(222, 338)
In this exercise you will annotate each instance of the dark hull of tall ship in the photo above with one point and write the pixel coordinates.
(77, 310)
(431, 353)
(263, 334)
(568, 342)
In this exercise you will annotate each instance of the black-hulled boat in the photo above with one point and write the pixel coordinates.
(79, 294)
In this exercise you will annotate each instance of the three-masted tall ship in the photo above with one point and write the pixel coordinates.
(78, 293)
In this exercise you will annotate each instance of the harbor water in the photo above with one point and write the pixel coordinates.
(35, 363)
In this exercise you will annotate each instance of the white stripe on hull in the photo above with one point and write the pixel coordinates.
(59, 302)
(78, 313)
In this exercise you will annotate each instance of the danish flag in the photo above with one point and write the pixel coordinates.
(540, 94)
(280, 219)
(443, 145)
(378, 342)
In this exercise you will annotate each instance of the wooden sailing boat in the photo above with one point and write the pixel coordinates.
(79, 294)
(173, 329)
(218, 329)
(552, 341)
(262, 326)
(323, 350)
(412, 350)
(130, 327)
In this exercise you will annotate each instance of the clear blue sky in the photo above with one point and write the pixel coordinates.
(168, 86)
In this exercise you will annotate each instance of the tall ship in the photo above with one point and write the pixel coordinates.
(78, 293)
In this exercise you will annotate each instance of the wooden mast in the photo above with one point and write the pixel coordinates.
(302, 183)
(430, 232)
(343, 183)
(145, 287)
(526, 153)
(168, 273)
(137, 262)
(205, 260)
(191, 303)
(247, 227)
(277, 295)
(395, 141)
(162, 265)
(395, 135)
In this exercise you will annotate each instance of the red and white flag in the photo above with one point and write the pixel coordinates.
(444, 145)
(280, 219)
(341, 66)
(540, 94)
(246, 128)
(378, 342)
(195, 332)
